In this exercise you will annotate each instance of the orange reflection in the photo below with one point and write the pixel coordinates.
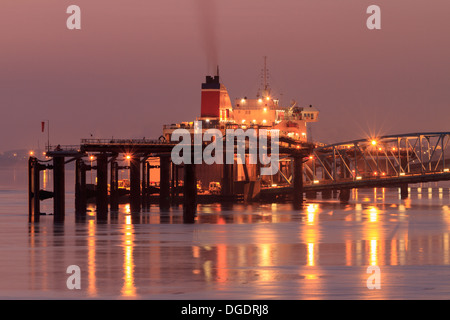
(311, 234)
(446, 248)
(222, 271)
(373, 214)
(374, 252)
(348, 252)
(44, 179)
(445, 240)
(266, 253)
(372, 234)
(312, 209)
(311, 257)
(92, 289)
(128, 289)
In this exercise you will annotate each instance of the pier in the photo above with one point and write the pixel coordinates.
(304, 170)
(104, 156)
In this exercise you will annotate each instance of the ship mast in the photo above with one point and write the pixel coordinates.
(265, 73)
(265, 76)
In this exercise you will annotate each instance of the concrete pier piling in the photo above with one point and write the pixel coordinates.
(135, 184)
(144, 169)
(147, 185)
(33, 190)
(190, 193)
(164, 183)
(297, 196)
(114, 187)
(80, 189)
(311, 195)
(102, 187)
(173, 183)
(344, 195)
(58, 189)
(404, 194)
(327, 194)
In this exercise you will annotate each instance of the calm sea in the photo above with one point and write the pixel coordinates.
(324, 251)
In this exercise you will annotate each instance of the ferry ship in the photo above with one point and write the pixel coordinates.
(263, 111)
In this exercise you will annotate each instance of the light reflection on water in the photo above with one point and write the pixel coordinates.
(236, 252)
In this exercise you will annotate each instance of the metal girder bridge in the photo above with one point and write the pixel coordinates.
(390, 160)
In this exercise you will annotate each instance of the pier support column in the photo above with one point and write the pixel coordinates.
(144, 183)
(326, 194)
(297, 196)
(404, 191)
(114, 187)
(58, 189)
(177, 189)
(80, 189)
(344, 195)
(33, 190)
(227, 181)
(135, 184)
(164, 183)
(189, 193)
(311, 195)
(172, 183)
(102, 187)
(147, 185)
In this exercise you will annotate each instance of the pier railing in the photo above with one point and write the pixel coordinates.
(123, 141)
(67, 148)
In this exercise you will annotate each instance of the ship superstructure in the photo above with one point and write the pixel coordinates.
(263, 111)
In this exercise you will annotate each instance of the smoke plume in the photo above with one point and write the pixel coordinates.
(207, 19)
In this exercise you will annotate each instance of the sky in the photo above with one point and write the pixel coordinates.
(138, 64)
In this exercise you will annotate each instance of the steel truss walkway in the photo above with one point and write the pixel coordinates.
(391, 160)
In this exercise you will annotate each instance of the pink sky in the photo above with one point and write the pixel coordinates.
(137, 65)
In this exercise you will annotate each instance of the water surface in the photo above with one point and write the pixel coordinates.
(231, 252)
